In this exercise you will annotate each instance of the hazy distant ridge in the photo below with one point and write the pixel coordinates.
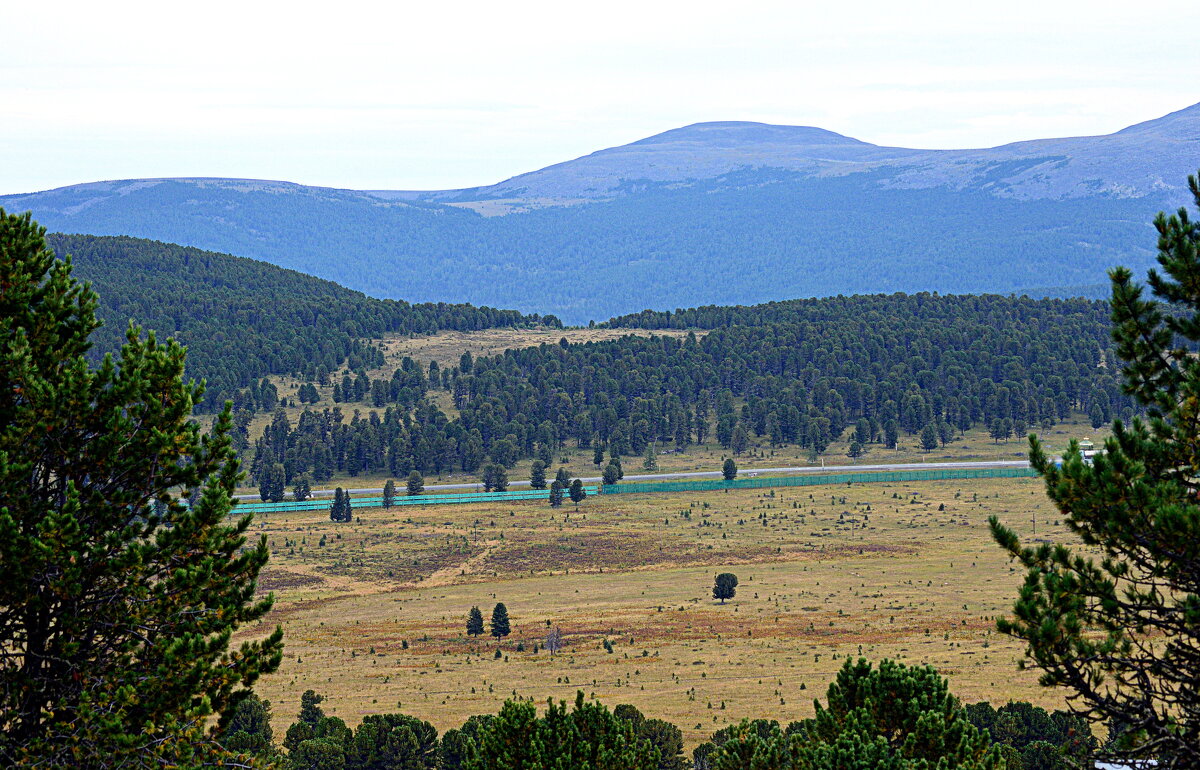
(713, 213)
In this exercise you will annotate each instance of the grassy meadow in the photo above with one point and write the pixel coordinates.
(374, 611)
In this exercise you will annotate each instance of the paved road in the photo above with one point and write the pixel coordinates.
(742, 473)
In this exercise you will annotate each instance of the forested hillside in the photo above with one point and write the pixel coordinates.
(787, 373)
(243, 319)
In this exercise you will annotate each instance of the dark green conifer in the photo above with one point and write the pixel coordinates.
(474, 622)
(577, 492)
(498, 627)
(117, 601)
(537, 475)
(1119, 624)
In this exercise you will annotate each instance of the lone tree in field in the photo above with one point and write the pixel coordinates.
(415, 484)
(389, 494)
(537, 475)
(556, 494)
(474, 622)
(729, 469)
(725, 586)
(611, 474)
(1123, 631)
(577, 493)
(117, 601)
(498, 627)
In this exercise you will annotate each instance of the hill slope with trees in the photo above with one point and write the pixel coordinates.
(243, 319)
(796, 373)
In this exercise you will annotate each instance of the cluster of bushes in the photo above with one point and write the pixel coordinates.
(889, 716)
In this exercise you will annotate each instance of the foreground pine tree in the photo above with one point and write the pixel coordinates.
(588, 737)
(1120, 625)
(890, 717)
(117, 602)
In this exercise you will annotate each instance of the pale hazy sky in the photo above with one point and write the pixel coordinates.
(429, 95)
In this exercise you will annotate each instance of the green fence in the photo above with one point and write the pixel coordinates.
(648, 487)
(763, 482)
(457, 498)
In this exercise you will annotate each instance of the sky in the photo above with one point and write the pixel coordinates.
(439, 95)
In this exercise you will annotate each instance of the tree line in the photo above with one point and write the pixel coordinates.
(885, 716)
(797, 373)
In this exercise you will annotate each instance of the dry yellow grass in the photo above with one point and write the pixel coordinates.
(905, 571)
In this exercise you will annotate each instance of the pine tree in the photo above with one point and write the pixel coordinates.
(278, 483)
(499, 478)
(563, 477)
(577, 492)
(340, 510)
(302, 489)
(248, 728)
(740, 439)
(1123, 632)
(498, 627)
(117, 600)
(389, 494)
(495, 478)
(587, 738)
(725, 586)
(415, 484)
(893, 716)
(556, 494)
(611, 475)
(729, 469)
(650, 461)
(929, 437)
(474, 622)
(537, 475)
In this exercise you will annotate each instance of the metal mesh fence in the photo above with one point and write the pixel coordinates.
(324, 503)
(763, 482)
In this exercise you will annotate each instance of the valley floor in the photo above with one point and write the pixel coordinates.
(374, 611)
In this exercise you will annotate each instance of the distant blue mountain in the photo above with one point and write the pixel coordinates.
(712, 213)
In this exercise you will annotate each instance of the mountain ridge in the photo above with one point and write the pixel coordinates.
(729, 212)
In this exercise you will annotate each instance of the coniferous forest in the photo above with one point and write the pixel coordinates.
(795, 373)
(242, 319)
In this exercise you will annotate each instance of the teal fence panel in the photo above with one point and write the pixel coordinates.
(812, 480)
(455, 498)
